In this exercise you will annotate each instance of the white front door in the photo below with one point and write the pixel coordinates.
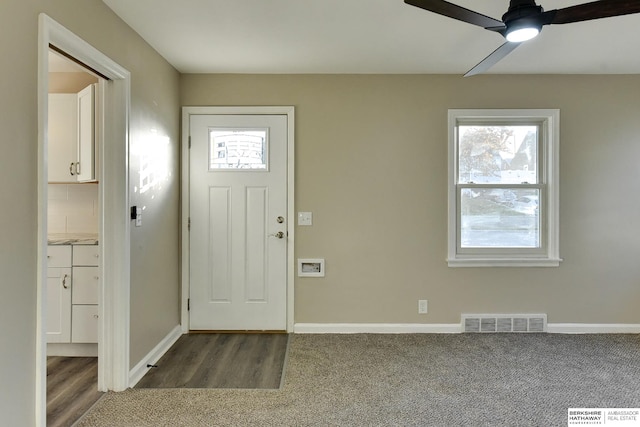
(238, 227)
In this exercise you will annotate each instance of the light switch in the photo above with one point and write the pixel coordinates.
(138, 216)
(305, 218)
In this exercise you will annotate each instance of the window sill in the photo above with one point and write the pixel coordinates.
(504, 262)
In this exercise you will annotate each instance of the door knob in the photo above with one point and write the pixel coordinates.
(279, 235)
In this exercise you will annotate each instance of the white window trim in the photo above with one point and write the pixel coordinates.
(550, 155)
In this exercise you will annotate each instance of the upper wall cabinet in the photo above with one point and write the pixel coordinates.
(72, 142)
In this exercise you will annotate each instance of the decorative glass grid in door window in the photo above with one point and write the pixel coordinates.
(239, 148)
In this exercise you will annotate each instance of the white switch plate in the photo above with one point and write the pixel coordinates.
(305, 218)
(138, 217)
(423, 306)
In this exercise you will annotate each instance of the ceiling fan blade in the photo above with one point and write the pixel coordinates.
(454, 11)
(593, 10)
(492, 59)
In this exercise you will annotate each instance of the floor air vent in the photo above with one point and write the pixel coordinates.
(504, 322)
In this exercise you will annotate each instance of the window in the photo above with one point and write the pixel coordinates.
(503, 188)
(233, 149)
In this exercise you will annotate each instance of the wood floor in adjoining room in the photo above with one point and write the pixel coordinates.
(72, 388)
(221, 360)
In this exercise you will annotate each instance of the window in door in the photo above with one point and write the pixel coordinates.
(231, 149)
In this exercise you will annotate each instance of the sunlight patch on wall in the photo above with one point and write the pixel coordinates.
(153, 151)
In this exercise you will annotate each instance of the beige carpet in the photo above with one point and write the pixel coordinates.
(408, 380)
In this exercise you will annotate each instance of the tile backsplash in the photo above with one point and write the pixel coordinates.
(73, 208)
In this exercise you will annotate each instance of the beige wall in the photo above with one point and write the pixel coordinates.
(371, 164)
(154, 105)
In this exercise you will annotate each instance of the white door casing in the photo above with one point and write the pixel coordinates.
(113, 126)
(237, 273)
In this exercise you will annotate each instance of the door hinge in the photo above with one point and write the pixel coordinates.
(189, 224)
(189, 141)
(188, 304)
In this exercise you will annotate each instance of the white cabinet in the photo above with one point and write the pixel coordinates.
(85, 285)
(63, 139)
(59, 256)
(73, 286)
(84, 324)
(86, 255)
(85, 159)
(72, 142)
(58, 304)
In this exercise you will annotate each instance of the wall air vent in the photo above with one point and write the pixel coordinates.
(504, 322)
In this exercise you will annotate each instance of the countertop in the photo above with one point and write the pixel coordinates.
(73, 238)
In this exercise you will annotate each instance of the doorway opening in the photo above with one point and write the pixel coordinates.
(111, 309)
(73, 251)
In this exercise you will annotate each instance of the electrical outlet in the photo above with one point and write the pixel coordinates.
(423, 307)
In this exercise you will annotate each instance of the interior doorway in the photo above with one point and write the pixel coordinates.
(73, 256)
(112, 308)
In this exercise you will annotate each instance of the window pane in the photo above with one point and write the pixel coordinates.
(499, 218)
(498, 154)
(238, 149)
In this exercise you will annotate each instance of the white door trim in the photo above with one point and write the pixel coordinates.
(113, 334)
(279, 110)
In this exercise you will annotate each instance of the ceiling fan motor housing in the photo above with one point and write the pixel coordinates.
(521, 9)
(522, 14)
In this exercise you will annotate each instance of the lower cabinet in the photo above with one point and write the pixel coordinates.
(58, 304)
(84, 323)
(72, 294)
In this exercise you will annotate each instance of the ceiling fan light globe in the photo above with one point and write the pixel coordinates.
(518, 35)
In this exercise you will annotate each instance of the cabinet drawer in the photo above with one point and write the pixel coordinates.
(86, 255)
(84, 324)
(86, 285)
(59, 256)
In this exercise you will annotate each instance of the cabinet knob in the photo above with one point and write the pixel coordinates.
(96, 277)
(95, 316)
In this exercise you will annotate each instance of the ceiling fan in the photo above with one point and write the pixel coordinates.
(524, 20)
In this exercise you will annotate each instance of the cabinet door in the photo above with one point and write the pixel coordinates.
(85, 168)
(62, 136)
(85, 285)
(85, 324)
(59, 305)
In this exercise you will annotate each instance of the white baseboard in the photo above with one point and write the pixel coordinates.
(453, 328)
(154, 355)
(593, 328)
(376, 328)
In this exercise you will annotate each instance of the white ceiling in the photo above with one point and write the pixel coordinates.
(368, 36)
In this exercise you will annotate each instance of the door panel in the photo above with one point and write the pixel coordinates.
(238, 190)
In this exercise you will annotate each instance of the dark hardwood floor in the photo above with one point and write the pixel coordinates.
(72, 388)
(216, 360)
(229, 360)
